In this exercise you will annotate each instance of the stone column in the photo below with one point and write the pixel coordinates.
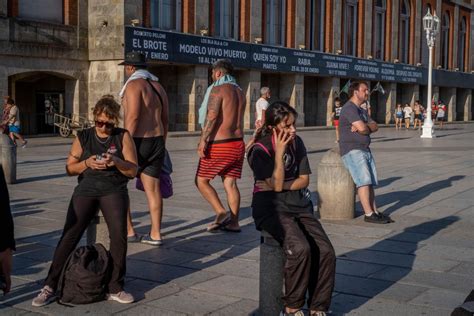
(434, 94)
(3, 7)
(414, 94)
(471, 49)
(387, 102)
(437, 48)
(255, 20)
(292, 91)
(337, 26)
(250, 83)
(395, 42)
(418, 32)
(368, 28)
(455, 36)
(192, 86)
(449, 95)
(465, 102)
(300, 23)
(3, 80)
(202, 18)
(328, 90)
(105, 77)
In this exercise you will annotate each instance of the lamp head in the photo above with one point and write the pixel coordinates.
(428, 21)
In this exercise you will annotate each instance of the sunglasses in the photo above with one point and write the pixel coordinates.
(107, 124)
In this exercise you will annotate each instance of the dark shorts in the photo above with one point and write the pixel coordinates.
(399, 116)
(223, 158)
(440, 118)
(419, 116)
(151, 153)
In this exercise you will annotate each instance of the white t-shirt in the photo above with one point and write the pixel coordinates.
(262, 104)
(441, 111)
(407, 110)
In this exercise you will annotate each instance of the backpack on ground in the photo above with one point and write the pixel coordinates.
(85, 276)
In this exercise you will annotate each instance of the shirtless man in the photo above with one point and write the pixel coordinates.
(145, 105)
(418, 114)
(221, 148)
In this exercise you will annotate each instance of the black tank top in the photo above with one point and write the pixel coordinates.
(101, 182)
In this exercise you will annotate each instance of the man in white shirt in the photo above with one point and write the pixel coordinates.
(260, 108)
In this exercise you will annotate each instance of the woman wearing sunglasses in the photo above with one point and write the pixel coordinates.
(104, 159)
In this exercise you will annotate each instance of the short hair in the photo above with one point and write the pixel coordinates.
(418, 101)
(337, 99)
(224, 65)
(264, 90)
(108, 106)
(355, 86)
(9, 100)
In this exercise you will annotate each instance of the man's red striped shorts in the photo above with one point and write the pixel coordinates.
(223, 158)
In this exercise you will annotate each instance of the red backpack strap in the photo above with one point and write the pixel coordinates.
(263, 147)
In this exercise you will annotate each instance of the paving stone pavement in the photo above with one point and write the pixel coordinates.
(423, 264)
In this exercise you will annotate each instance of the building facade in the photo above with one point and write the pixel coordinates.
(61, 55)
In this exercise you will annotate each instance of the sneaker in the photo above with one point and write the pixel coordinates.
(148, 240)
(45, 297)
(134, 238)
(376, 219)
(386, 217)
(121, 297)
(24, 144)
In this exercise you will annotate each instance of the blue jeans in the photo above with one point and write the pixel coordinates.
(361, 166)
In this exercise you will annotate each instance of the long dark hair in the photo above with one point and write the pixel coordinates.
(274, 115)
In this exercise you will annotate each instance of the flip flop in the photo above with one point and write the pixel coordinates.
(214, 227)
(230, 230)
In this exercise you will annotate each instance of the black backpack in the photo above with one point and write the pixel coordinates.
(85, 276)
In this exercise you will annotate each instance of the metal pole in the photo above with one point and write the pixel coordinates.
(428, 124)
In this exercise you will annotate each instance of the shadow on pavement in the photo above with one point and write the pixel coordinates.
(40, 178)
(372, 278)
(405, 198)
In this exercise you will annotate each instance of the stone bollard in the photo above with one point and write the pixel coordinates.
(97, 232)
(336, 189)
(8, 158)
(271, 276)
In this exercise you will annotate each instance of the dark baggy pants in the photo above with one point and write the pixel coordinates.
(82, 210)
(310, 264)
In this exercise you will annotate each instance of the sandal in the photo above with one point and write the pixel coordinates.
(215, 227)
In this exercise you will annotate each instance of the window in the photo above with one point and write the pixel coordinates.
(166, 14)
(46, 10)
(404, 32)
(462, 43)
(350, 27)
(226, 18)
(445, 40)
(379, 29)
(275, 24)
(424, 44)
(316, 27)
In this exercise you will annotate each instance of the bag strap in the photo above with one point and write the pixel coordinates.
(156, 91)
(263, 147)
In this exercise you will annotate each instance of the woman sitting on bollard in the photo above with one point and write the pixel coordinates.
(104, 158)
(282, 206)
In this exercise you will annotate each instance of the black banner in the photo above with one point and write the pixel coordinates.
(191, 49)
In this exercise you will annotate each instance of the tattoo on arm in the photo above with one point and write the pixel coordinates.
(213, 109)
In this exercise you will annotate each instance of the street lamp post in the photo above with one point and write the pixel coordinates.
(431, 26)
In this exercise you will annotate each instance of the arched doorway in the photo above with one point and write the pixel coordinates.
(40, 95)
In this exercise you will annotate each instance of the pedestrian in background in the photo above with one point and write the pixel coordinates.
(335, 116)
(407, 112)
(13, 122)
(260, 108)
(398, 114)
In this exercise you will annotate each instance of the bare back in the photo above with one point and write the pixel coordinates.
(145, 115)
(230, 121)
